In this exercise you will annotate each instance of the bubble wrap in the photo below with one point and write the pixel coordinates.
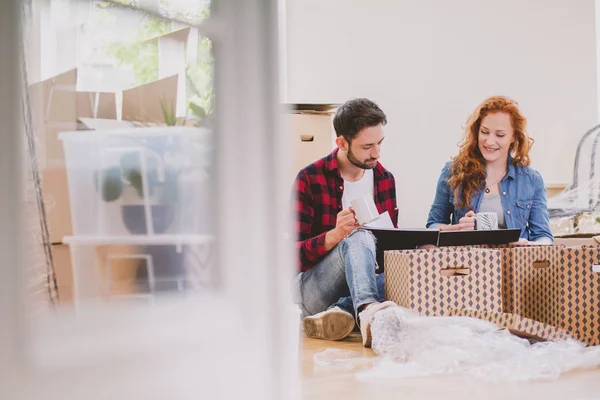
(409, 345)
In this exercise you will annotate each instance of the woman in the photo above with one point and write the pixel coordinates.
(491, 174)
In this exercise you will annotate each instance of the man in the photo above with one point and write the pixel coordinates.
(338, 280)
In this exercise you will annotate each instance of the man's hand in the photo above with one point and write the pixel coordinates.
(522, 242)
(345, 224)
(467, 223)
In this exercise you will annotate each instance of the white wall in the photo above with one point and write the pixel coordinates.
(428, 63)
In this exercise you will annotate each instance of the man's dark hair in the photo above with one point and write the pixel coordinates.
(356, 114)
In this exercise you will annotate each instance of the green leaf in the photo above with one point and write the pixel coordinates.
(197, 110)
(134, 177)
(131, 167)
(168, 113)
(111, 185)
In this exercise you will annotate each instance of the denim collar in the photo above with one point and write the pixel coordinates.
(512, 170)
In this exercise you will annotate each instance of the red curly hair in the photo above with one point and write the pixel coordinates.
(468, 168)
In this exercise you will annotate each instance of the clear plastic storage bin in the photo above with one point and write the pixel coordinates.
(139, 181)
(141, 268)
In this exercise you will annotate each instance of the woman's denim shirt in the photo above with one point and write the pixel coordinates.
(523, 197)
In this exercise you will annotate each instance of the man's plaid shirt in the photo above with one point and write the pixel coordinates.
(318, 193)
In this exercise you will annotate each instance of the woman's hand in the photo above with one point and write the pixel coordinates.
(467, 223)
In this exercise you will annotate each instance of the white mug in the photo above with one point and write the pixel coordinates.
(487, 221)
(365, 209)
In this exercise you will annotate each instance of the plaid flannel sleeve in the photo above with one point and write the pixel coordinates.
(394, 204)
(310, 249)
(387, 198)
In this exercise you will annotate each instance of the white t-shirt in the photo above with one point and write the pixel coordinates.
(353, 190)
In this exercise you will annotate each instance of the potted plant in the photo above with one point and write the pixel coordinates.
(150, 179)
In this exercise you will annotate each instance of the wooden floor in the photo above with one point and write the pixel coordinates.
(326, 382)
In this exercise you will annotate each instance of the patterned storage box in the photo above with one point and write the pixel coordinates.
(580, 293)
(535, 274)
(432, 281)
(554, 285)
(528, 272)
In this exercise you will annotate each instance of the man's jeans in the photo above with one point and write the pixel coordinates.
(344, 278)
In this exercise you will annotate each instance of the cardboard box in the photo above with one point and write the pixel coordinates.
(580, 293)
(104, 124)
(56, 107)
(53, 110)
(96, 105)
(527, 272)
(572, 242)
(555, 285)
(433, 281)
(118, 272)
(172, 61)
(531, 282)
(120, 280)
(57, 204)
(55, 191)
(516, 324)
(64, 273)
(312, 138)
(144, 103)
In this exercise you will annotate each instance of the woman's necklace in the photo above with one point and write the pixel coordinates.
(487, 187)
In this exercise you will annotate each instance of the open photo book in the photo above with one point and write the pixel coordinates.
(390, 238)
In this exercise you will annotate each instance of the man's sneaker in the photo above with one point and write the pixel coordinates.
(332, 324)
(366, 317)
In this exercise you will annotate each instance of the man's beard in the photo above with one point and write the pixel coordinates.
(360, 164)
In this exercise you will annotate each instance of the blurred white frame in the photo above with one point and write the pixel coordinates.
(12, 282)
(241, 331)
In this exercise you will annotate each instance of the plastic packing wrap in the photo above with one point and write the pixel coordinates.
(576, 210)
(341, 359)
(409, 345)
